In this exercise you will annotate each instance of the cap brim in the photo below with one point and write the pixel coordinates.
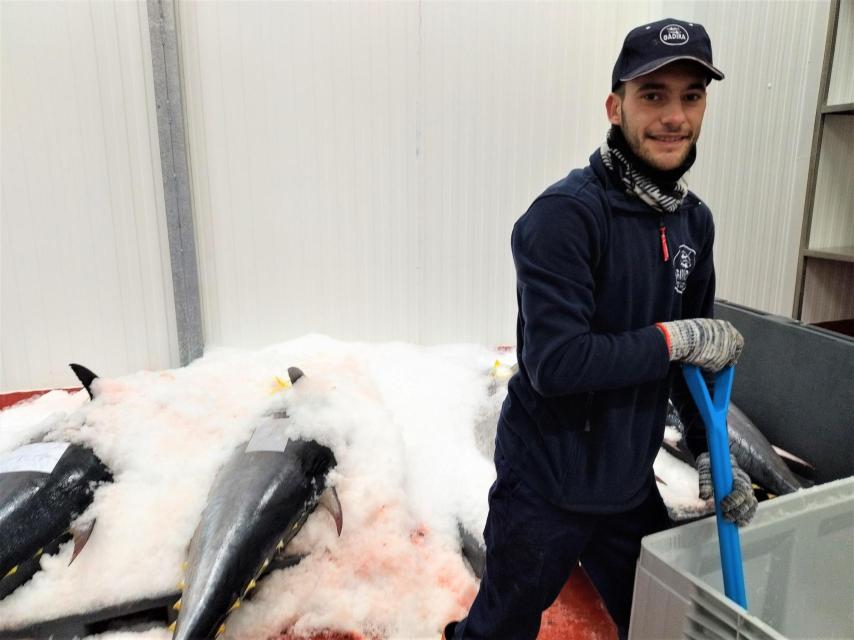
(655, 65)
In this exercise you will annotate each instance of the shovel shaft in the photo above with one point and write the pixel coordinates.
(713, 411)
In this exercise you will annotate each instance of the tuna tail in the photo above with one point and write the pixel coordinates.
(85, 376)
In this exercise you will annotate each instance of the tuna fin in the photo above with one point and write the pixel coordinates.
(796, 464)
(657, 479)
(85, 376)
(806, 483)
(236, 605)
(11, 571)
(177, 605)
(329, 501)
(172, 626)
(294, 373)
(680, 451)
(473, 550)
(221, 630)
(81, 537)
(284, 561)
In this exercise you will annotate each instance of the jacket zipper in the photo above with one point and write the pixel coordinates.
(662, 233)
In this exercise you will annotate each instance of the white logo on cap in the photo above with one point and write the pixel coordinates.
(673, 35)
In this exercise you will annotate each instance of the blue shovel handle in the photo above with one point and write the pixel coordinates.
(713, 411)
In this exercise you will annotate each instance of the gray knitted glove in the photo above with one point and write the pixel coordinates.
(710, 344)
(740, 505)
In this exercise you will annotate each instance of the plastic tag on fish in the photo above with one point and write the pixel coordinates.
(270, 435)
(41, 457)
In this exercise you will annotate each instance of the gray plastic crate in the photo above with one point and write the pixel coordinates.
(798, 558)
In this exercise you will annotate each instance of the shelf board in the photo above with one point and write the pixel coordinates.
(838, 109)
(843, 254)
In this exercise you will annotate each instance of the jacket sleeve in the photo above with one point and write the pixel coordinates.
(556, 247)
(699, 302)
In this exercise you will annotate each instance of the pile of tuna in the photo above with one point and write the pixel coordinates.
(259, 500)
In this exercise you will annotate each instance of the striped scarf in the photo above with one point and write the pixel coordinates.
(641, 185)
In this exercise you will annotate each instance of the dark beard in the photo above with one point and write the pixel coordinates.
(665, 179)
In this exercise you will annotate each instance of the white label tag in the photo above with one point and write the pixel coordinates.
(41, 457)
(269, 436)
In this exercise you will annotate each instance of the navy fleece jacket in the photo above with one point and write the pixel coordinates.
(584, 416)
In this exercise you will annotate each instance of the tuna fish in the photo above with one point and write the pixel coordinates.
(259, 501)
(751, 449)
(44, 487)
(757, 457)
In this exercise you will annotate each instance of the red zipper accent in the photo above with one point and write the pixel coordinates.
(664, 252)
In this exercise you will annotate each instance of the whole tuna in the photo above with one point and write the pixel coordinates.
(259, 501)
(751, 449)
(44, 486)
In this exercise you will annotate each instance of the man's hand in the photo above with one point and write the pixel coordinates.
(704, 342)
(740, 505)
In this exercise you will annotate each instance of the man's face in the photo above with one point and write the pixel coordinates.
(661, 113)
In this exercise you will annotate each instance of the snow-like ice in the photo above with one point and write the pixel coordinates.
(411, 428)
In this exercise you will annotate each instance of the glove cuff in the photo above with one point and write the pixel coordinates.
(661, 327)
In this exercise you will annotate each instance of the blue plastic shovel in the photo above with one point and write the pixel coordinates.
(713, 411)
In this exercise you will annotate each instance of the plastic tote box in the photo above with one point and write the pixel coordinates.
(798, 555)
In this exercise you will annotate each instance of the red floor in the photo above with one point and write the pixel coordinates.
(577, 614)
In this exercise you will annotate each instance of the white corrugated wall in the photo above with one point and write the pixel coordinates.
(356, 168)
(83, 252)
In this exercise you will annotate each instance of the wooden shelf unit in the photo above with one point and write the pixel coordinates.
(824, 289)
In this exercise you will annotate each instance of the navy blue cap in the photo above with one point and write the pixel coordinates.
(651, 46)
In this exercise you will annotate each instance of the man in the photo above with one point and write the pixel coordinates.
(615, 282)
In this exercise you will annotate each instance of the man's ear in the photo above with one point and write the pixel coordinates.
(614, 108)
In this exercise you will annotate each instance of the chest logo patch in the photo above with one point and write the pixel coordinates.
(683, 264)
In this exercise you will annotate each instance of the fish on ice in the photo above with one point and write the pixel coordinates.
(258, 502)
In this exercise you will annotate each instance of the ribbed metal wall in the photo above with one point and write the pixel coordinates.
(754, 150)
(358, 167)
(85, 271)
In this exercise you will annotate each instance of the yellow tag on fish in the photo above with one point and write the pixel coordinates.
(279, 385)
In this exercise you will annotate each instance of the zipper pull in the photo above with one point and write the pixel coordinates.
(662, 230)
